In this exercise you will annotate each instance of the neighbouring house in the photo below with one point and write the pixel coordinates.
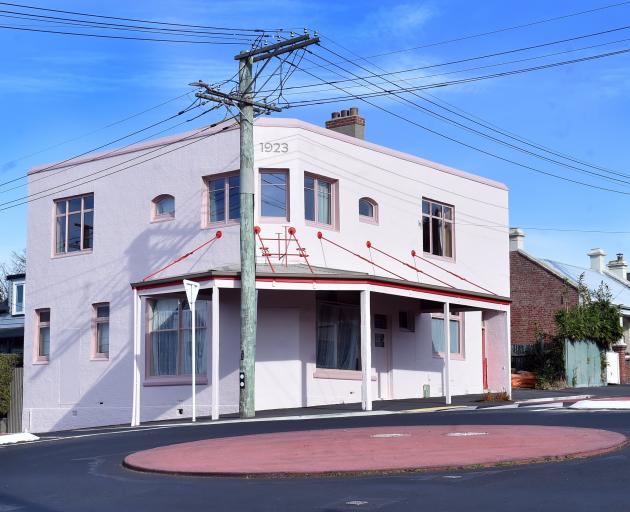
(539, 287)
(363, 253)
(12, 316)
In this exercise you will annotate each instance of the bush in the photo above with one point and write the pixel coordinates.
(7, 363)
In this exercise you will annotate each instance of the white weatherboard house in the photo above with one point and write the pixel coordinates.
(340, 320)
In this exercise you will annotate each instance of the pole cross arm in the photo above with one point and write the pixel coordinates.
(291, 48)
(265, 49)
(229, 99)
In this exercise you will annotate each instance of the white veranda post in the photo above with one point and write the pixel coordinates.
(447, 352)
(366, 351)
(215, 353)
(192, 289)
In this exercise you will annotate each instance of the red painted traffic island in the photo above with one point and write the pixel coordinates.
(378, 449)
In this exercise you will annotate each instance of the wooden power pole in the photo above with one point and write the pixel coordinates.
(244, 100)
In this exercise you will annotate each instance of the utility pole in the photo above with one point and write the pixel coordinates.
(244, 100)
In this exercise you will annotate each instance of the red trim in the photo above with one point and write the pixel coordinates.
(324, 280)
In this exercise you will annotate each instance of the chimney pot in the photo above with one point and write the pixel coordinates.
(517, 242)
(347, 122)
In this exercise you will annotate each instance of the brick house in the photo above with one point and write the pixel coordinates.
(540, 287)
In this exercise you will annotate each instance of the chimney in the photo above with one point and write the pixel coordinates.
(619, 267)
(597, 259)
(348, 122)
(517, 242)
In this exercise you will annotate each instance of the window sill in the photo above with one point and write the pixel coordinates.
(332, 373)
(449, 259)
(174, 381)
(368, 220)
(273, 220)
(313, 224)
(71, 254)
(216, 225)
(454, 357)
(41, 361)
(164, 218)
(100, 357)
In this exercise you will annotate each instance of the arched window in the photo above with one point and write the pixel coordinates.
(368, 210)
(164, 207)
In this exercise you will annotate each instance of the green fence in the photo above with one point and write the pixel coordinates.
(582, 362)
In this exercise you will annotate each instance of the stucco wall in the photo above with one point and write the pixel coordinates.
(73, 390)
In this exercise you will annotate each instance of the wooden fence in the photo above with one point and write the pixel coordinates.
(14, 418)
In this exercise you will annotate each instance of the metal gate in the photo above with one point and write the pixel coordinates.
(14, 418)
(583, 364)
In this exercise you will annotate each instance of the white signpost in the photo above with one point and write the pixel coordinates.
(192, 289)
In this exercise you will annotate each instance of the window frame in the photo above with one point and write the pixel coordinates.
(370, 219)
(430, 217)
(287, 195)
(336, 369)
(39, 357)
(96, 321)
(461, 354)
(178, 379)
(226, 190)
(334, 196)
(83, 211)
(14, 286)
(161, 217)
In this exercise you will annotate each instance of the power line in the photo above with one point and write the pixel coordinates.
(492, 32)
(136, 20)
(452, 139)
(120, 121)
(480, 133)
(481, 57)
(74, 184)
(489, 126)
(452, 82)
(69, 160)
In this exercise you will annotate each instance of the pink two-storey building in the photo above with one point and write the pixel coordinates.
(340, 320)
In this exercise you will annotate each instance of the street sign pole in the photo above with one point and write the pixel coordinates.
(192, 289)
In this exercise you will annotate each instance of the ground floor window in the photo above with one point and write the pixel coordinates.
(169, 337)
(338, 336)
(437, 334)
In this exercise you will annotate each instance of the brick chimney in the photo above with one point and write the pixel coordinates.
(517, 242)
(348, 122)
(597, 259)
(619, 267)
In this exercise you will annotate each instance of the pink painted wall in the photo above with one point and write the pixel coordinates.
(72, 390)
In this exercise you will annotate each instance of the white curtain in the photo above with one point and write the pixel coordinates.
(201, 320)
(164, 326)
(338, 337)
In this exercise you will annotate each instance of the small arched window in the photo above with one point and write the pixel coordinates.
(164, 207)
(368, 210)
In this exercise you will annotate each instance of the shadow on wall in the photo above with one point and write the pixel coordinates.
(108, 398)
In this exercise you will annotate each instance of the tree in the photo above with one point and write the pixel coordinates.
(16, 265)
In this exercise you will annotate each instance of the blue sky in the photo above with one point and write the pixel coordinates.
(54, 88)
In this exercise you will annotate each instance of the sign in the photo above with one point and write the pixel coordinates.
(192, 289)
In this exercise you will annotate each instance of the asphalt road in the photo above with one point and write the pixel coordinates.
(85, 474)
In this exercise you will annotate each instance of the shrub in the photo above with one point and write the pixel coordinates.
(7, 363)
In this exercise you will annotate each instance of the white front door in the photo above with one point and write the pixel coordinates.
(381, 349)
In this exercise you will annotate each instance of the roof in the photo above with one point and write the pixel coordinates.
(301, 273)
(619, 288)
(267, 122)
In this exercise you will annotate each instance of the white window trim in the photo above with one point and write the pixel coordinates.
(287, 195)
(370, 219)
(65, 252)
(430, 216)
(14, 286)
(161, 217)
(334, 208)
(226, 221)
(96, 320)
(39, 358)
(461, 355)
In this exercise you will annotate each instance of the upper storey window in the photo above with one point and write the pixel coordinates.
(437, 228)
(368, 210)
(224, 199)
(74, 224)
(319, 200)
(164, 207)
(274, 194)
